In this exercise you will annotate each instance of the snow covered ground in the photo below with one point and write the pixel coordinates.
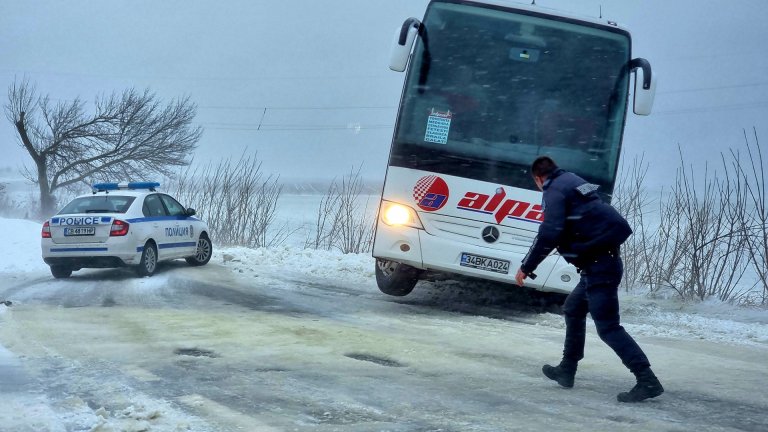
(709, 321)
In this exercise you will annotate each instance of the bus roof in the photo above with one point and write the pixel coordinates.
(514, 5)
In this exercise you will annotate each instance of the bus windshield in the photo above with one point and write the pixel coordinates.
(489, 89)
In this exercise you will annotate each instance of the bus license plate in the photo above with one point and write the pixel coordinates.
(80, 231)
(484, 263)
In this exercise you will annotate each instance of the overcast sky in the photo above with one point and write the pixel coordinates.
(320, 69)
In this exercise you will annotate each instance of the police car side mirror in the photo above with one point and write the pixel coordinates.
(190, 211)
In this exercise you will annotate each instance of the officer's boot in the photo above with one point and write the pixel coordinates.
(562, 373)
(648, 386)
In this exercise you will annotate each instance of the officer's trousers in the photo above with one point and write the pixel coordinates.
(597, 294)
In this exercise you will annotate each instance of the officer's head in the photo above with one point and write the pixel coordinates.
(541, 169)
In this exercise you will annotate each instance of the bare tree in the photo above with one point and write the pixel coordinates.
(131, 135)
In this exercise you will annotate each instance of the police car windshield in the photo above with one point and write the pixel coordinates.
(99, 204)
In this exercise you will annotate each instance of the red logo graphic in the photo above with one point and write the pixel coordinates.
(501, 207)
(430, 193)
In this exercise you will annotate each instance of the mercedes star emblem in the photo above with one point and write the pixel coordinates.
(490, 234)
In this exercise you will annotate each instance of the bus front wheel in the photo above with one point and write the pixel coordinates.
(394, 278)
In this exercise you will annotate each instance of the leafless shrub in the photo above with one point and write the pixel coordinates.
(631, 200)
(755, 219)
(16, 205)
(342, 219)
(652, 255)
(694, 246)
(324, 232)
(5, 202)
(713, 259)
(236, 200)
(666, 247)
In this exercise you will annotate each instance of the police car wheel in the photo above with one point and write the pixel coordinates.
(202, 253)
(61, 272)
(394, 278)
(148, 263)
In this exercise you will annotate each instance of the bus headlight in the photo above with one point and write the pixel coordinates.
(398, 214)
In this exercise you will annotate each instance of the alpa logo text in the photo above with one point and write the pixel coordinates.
(501, 207)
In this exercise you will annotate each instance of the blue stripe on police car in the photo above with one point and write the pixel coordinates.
(79, 249)
(176, 245)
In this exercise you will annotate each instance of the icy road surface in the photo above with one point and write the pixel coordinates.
(247, 344)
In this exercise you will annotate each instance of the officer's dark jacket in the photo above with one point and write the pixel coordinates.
(576, 222)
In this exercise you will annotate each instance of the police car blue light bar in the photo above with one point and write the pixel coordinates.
(125, 185)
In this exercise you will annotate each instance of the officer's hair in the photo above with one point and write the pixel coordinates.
(543, 166)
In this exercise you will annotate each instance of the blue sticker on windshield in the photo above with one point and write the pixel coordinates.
(438, 126)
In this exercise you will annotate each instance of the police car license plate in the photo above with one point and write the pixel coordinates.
(484, 263)
(79, 231)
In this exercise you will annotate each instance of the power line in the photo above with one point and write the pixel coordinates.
(298, 108)
(720, 54)
(275, 127)
(715, 108)
(283, 128)
(197, 78)
(724, 87)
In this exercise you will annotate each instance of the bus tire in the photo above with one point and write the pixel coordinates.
(394, 278)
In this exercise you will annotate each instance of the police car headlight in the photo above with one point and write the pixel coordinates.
(398, 214)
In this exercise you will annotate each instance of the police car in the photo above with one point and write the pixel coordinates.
(123, 224)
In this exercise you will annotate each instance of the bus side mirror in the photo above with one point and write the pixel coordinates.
(401, 48)
(645, 87)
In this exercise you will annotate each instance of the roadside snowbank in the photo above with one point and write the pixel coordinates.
(22, 238)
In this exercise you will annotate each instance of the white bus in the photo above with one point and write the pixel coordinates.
(489, 86)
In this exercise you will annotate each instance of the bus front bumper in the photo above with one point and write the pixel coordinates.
(419, 249)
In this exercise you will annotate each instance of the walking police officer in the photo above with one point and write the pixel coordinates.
(587, 233)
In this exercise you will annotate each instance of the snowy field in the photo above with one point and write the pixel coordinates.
(710, 321)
